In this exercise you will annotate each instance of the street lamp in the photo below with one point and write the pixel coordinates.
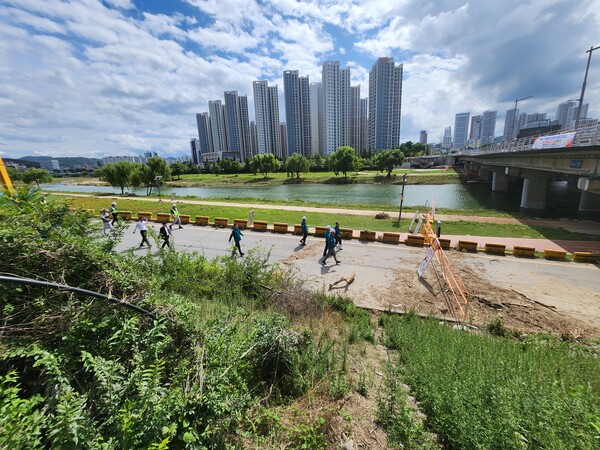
(401, 198)
(592, 48)
(158, 180)
(515, 115)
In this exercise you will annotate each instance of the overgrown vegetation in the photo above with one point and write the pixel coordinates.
(498, 393)
(77, 372)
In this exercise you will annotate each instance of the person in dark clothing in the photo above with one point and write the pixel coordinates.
(114, 212)
(304, 231)
(330, 239)
(164, 232)
(327, 233)
(236, 234)
(338, 235)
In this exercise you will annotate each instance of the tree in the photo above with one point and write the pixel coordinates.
(146, 173)
(178, 169)
(388, 159)
(265, 164)
(344, 160)
(318, 161)
(118, 175)
(37, 175)
(297, 163)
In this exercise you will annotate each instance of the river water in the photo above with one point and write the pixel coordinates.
(561, 202)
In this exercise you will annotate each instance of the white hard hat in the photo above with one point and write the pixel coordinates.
(173, 205)
(114, 204)
(303, 217)
(328, 227)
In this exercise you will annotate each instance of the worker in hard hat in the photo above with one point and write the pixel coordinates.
(176, 218)
(114, 212)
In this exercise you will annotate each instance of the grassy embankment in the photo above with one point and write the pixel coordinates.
(242, 356)
(355, 222)
(484, 392)
(430, 176)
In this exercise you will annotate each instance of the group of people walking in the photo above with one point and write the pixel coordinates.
(333, 236)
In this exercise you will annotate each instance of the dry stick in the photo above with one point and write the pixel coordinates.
(348, 280)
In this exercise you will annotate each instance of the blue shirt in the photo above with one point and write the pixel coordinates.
(236, 234)
(304, 226)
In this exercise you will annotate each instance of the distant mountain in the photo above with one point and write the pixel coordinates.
(65, 163)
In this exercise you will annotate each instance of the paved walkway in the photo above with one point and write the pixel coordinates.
(578, 226)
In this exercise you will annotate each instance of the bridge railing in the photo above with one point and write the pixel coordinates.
(585, 136)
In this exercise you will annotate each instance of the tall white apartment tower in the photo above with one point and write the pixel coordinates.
(217, 126)
(237, 125)
(355, 118)
(364, 126)
(423, 137)
(266, 108)
(297, 112)
(562, 111)
(336, 106)
(316, 118)
(385, 99)
(461, 128)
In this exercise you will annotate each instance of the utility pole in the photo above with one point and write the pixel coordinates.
(587, 68)
(401, 198)
(515, 115)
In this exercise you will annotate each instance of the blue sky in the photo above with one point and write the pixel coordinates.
(114, 77)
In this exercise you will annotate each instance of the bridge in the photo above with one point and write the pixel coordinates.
(531, 162)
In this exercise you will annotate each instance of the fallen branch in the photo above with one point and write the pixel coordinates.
(348, 280)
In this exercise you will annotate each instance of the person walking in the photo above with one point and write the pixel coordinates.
(236, 234)
(114, 212)
(304, 231)
(327, 233)
(164, 232)
(141, 225)
(338, 235)
(176, 218)
(105, 217)
(330, 240)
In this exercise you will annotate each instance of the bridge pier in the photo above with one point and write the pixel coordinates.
(534, 190)
(499, 181)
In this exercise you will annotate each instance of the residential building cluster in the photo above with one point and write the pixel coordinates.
(319, 116)
(479, 130)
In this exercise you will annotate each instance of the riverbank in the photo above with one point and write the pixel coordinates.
(572, 230)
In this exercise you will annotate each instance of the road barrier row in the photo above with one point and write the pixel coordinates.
(417, 240)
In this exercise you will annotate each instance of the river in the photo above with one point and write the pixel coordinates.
(561, 202)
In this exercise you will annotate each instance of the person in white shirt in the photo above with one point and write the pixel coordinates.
(106, 225)
(141, 225)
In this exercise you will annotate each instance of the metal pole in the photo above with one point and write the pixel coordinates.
(401, 198)
(515, 115)
(587, 68)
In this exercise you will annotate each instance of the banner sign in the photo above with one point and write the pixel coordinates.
(554, 141)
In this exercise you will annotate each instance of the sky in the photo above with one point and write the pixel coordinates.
(121, 77)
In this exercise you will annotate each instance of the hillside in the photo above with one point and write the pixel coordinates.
(65, 162)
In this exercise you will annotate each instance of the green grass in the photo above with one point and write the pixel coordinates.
(482, 392)
(355, 222)
(431, 176)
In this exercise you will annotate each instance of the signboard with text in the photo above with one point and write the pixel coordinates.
(554, 141)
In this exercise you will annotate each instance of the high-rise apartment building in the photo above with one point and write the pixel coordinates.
(572, 114)
(217, 126)
(297, 111)
(364, 126)
(447, 139)
(316, 118)
(205, 144)
(237, 125)
(461, 128)
(385, 98)
(562, 111)
(336, 106)
(488, 128)
(266, 106)
(355, 118)
(423, 137)
(475, 129)
(511, 125)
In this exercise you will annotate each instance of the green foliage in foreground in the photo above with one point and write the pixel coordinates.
(77, 372)
(482, 392)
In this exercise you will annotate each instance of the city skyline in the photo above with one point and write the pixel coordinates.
(125, 77)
